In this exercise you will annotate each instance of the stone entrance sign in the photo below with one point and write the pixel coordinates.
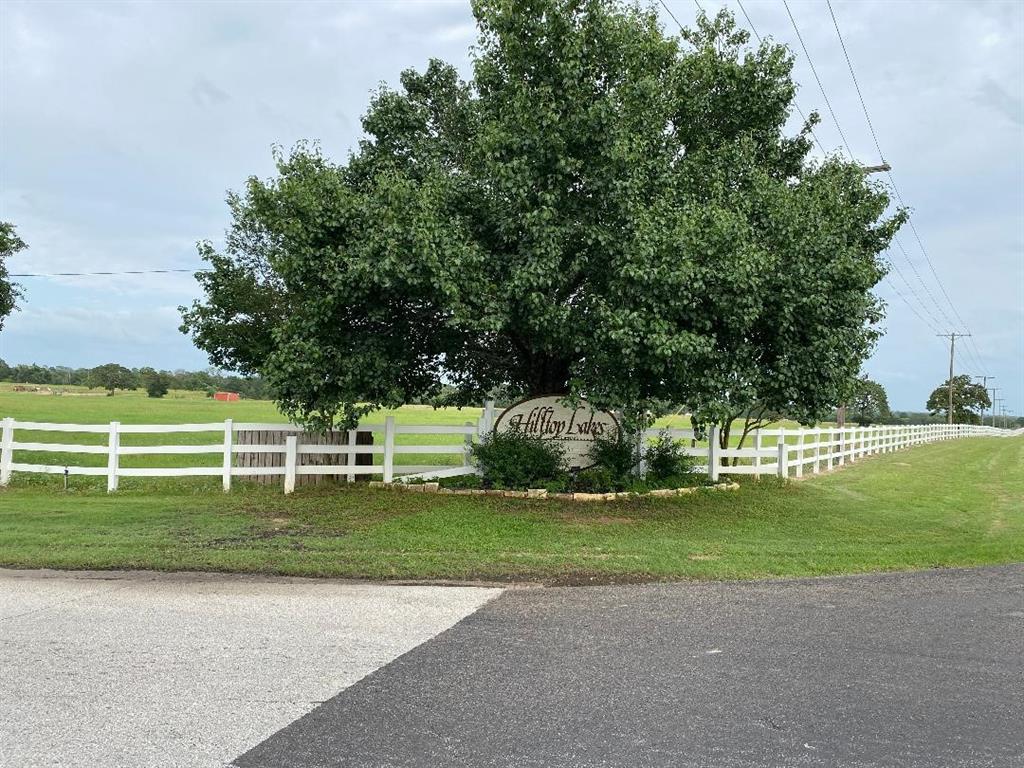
(550, 419)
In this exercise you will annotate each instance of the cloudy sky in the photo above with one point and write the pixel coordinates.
(122, 125)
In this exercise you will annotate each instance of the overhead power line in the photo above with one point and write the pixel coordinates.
(930, 318)
(913, 292)
(933, 328)
(946, 319)
(795, 105)
(669, 12)
(935, 324)
(849, 64)
(112, 273)
(814, 71)
(971, 346)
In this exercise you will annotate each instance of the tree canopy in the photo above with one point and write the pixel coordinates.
(602, 209)
(969, 400)
(10, 244)
(112, 376)
(869, 404)
(156, 383)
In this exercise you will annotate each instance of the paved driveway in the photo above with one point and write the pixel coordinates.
(135, 670)
(923, 669)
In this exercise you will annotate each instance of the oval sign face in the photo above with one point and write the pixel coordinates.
(548, 418)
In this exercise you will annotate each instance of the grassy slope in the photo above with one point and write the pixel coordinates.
(947, 504)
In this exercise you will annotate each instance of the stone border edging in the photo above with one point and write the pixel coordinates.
(542, 493)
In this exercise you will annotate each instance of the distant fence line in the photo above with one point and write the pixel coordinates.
(817, 449)
(789, 452)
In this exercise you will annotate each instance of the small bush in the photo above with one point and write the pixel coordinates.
(597, 480)
(616, 456)
(514, 460)
(666, 459)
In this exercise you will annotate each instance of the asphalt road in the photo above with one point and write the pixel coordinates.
(923, 669)
(131, 670)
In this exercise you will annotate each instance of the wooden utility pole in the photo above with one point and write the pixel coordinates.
(984, 384)
(1001, 409)
(993, 391)
(952, 347)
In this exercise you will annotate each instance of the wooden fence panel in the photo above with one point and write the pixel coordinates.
(277, 437)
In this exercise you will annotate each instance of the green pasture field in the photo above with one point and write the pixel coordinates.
(953, 503)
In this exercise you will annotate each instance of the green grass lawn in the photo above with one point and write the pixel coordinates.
(955, 503)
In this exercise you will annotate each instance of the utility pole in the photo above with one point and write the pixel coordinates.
(984, 384)
(999, 400)
(952, 346)
(993, 390)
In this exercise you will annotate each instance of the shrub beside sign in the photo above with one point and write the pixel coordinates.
(548, 418)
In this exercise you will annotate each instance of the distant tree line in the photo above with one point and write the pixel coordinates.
(113, 377)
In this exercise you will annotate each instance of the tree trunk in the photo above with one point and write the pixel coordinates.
(546, 375)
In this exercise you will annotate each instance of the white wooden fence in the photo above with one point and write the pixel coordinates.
(782, 452)
(385, 446)
(791, 452)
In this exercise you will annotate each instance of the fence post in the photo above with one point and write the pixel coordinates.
(817, 450)
(6, 451)
(229, 435)
(783, 464)
(351, 459)
(389, 449)
(488, 418)
(469, 445)
(291, 455)
(757, 458)
(800, 453)
(713, 452)
(113, 444)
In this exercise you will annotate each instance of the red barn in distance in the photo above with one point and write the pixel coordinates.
(227, 397)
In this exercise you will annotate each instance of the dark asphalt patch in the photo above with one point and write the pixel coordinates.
(919, 669)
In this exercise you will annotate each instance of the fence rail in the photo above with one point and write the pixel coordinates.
(782, 452)
(296, 444)
(790, 452)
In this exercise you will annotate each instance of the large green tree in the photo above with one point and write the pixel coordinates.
(869, 404)
(970, 399)
(112, 376)
(602, 209)
(156, 383)
(10, 244)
